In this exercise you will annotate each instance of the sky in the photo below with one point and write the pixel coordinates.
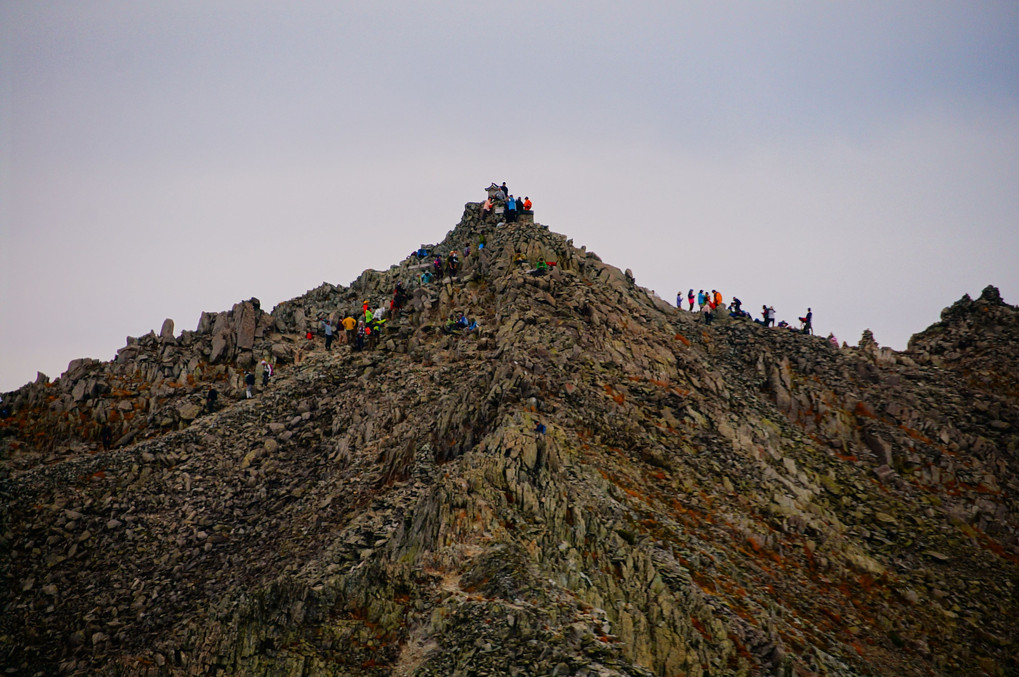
(161, 159)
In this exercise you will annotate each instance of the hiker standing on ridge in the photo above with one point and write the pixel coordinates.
(527, 204)
(349, 325)
(691, 298)
(327, 326)
(361, 331)
(511, 210)
(806, 325)
(679, 299)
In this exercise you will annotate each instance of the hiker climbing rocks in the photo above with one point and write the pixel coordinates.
(211, 400)
(267, 371)
(399, 299)
(249, 382)
(106, 436)
(833, 341)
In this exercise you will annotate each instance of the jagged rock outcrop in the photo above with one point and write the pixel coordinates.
(590, 483)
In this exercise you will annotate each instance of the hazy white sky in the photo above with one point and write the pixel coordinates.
(158, 159)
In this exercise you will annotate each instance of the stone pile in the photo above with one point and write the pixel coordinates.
(592, 483)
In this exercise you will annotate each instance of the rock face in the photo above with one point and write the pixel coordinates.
(590, 483)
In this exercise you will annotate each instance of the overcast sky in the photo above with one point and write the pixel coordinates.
(158, 159)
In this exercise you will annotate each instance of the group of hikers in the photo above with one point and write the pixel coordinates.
(711, 304)
(459, 322)
(443, 267)
(362, 330)
(499, 197)
(265, 366)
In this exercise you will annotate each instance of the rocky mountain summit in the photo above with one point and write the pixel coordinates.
(590, 483)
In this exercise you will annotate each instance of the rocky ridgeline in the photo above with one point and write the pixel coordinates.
(701, 500)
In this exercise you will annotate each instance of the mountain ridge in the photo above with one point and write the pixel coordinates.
(722, 499)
